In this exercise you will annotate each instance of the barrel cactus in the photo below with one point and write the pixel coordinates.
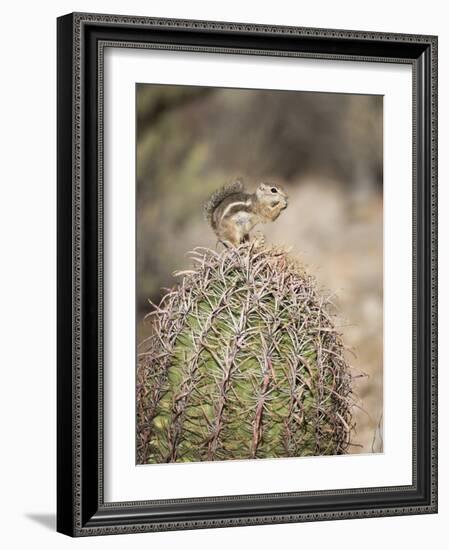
(243, 361)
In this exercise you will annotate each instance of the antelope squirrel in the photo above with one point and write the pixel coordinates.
(232, 213)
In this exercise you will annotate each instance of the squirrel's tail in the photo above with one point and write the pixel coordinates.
(218, 196)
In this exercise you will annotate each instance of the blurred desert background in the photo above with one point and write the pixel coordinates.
(325, 149)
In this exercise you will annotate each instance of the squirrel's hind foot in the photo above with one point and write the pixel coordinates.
(259, 239)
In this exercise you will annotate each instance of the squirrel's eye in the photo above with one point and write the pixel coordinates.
(274, 190)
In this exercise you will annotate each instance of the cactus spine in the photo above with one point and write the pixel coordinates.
(244, 361)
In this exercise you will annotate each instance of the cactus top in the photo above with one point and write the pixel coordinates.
(244, 361)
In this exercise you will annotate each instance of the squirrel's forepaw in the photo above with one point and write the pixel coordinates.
(259, 239)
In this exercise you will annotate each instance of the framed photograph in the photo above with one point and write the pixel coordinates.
(247, 278)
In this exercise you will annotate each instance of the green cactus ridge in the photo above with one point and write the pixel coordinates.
(244, 361)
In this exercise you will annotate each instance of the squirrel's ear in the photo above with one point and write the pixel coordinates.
(262, 186)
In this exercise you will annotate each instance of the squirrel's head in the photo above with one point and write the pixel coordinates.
(273, 197)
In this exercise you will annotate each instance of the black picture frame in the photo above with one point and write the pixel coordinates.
(81, 509)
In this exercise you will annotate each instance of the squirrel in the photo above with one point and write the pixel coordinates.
(232, 213)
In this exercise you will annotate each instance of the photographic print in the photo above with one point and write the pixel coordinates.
(259, 295)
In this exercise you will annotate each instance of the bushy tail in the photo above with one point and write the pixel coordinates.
(219, 195)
